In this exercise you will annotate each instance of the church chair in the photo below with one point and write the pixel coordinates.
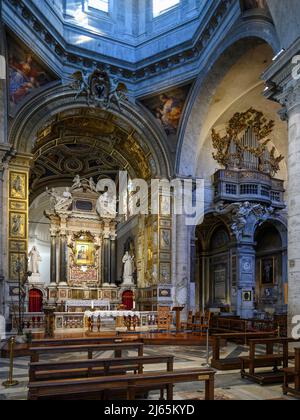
(189, 324)
(205, 323)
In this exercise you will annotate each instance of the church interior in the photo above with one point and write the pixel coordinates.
(149, 193)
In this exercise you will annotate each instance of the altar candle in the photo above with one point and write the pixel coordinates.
(93, 305)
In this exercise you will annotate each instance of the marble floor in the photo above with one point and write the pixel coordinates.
(229, 385)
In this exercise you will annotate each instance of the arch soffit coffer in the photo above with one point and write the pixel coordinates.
(39, 111)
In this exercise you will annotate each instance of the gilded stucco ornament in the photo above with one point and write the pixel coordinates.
(232, 148)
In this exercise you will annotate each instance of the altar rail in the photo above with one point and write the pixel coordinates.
(32, 322)
(35, 322)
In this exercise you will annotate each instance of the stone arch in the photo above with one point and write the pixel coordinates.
(279, 224)
(226, 54)
(40, 109)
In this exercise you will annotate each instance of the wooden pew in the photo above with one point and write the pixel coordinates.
(269, 359)
(218, 340)
(83, 341)
(294, 375)
(235, 324)
(89, 349)
(46, 371)
(129, 385)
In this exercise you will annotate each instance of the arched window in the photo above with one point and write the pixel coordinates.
(102, 5)
(163, 6)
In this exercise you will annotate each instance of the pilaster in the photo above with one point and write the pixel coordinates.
(283, 86)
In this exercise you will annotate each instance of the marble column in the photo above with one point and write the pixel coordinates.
(246, 280)
(3, 233)
(5, 155)
(106, 261)
(183, 252)
(53, 252)
(113, 267)
(63, 263)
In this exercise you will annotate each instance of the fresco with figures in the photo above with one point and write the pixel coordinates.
(168, 108)
(26, 72)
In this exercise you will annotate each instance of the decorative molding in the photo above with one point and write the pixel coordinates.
(6, 154)
(139, 72)
(246, 133)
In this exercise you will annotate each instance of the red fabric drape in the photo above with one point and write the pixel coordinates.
(128, 300)
(35, 301)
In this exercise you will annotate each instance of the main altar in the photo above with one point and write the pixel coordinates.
(83, 250)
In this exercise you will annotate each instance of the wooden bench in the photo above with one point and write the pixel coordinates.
(82, 341)
(235, 324)
(89, 349)
(269, 359)
(129, 385)
(220, 340)
(292, 374)
(46, 371)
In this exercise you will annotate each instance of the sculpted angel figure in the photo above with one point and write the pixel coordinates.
(92, 185)
(81, 85)
(275, 162)
(239, 215)
(117, 92)
(60, 202)
(76, 183)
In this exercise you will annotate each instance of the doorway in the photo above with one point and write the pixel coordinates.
(35, 301)
(127, 300)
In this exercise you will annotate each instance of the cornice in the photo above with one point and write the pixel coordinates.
(278, 76)
(137, 72)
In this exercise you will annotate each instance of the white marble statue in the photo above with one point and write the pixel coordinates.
(128, 262)
(60, 202)
(34, 261)
(106, 205)
(76, 183)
